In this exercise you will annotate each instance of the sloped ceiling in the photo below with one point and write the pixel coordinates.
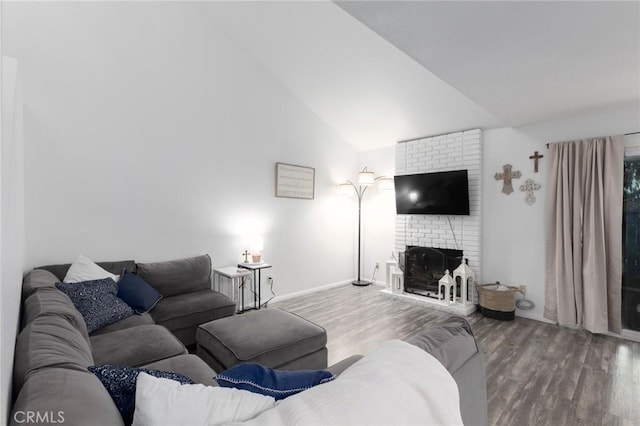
(382, 71)
(525, 62)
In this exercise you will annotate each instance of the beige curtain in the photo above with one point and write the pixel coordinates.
(584, 233)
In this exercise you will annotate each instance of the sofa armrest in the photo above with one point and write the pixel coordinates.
(452, 343)
(63, 396)
(337, 368)
(36, 279)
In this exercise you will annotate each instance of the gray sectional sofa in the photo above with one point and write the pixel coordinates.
(53, 351)
(185, 285)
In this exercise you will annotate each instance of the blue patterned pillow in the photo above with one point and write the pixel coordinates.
(266, 381)
(97, 302)
(120, 382)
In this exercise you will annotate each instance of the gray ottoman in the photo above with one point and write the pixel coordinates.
(271, 337)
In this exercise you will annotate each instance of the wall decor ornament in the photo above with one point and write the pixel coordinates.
(535, 157)
(295, 181)
(447, 288)
(506, 175)
(528, 187)
(466, 276)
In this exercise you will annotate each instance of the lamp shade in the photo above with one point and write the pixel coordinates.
(366, 178)
(385, 183)
(258, 243)
(345, 189)
(254, 243)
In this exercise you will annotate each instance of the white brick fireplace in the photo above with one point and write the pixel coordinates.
(455, 151)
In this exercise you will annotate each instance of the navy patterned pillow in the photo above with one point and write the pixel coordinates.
(137, 293)
(97, 302)
(120, 382)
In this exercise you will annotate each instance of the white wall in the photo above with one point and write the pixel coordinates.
(513, 232)
(150, 135)
(12, 232)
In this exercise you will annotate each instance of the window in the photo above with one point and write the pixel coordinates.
(631, 245)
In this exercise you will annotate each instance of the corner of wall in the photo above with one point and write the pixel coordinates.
(12, 233)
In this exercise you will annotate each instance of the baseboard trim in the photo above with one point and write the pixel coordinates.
(536, 317)
(625, 334)
(309, 291)
(628, 334)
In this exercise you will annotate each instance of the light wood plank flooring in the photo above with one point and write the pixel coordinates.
(537, 373)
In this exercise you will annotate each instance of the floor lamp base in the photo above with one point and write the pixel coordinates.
(361, 283)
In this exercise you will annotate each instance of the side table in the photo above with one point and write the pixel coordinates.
(257, 280)
(237, 278)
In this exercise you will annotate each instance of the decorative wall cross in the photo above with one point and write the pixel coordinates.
(535, 157)
(507, 175)
(528, 187)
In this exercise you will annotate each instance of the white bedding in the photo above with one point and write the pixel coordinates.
(164, 402)
(395, 384)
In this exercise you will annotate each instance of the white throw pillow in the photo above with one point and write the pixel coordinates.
(83, 269)
(166, 402)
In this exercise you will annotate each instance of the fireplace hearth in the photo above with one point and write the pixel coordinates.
(424, 266)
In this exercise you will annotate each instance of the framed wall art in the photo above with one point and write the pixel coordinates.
(295, 181)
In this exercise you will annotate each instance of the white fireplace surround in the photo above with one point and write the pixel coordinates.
(454, 151)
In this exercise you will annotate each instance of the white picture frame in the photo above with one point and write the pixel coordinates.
(294, 181)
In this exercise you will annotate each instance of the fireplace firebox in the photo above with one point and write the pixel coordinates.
(424, 266)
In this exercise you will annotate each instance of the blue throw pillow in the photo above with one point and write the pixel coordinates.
(120, 382)
(266, 381)
(137, 293)
(97, 302)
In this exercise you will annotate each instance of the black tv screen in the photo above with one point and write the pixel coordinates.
(433, 193)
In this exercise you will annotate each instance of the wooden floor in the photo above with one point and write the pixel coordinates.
(537, 373)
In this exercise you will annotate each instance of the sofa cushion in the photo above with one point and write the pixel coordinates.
(120, 382)
(137, 293)
(178, 276)
(114, 267)
(278, 384)
(51, 301)
(192, 309)
(67, 397)
(135, 346)
(97, 302)
(132, 321)
(188, 365)
(271, 337)
(49, 341)
(36, 279)
(85, 269)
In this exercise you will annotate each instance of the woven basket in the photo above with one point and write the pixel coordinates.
(497, 304)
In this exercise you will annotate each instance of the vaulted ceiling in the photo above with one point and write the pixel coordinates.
(382, 71)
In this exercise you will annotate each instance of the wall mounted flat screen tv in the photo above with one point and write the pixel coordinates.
(433, 193)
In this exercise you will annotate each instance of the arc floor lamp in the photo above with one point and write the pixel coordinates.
(365, 180)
